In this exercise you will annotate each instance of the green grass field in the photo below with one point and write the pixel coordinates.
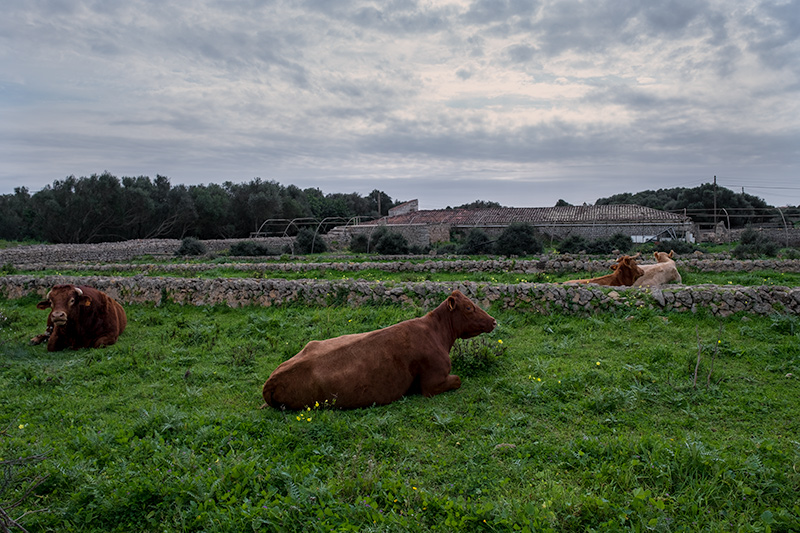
(753, 278)
(562, 424)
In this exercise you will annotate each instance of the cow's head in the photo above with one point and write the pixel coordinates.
(63, 301)
(627, 269)
(663, 257)
(467, 318)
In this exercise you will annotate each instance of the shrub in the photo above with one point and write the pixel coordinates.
(476, 242)
(573, 244)
(191, 246)
(250, 248)
(446, 248)
(476, 356)
(520, 238)
(679, 247)
(620, 242)
(753, 244)
(789, 253)
(309, 242)
(392, 243)
(359, 244)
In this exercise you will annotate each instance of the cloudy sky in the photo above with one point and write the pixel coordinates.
(448, 101)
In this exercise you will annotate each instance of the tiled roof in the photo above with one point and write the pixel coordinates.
(502, 216)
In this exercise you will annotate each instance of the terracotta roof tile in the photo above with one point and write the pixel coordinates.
(502, 216)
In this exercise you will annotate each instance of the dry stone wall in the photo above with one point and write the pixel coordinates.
(529, 266)
(537, 297)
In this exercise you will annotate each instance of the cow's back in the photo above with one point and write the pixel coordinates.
(356, 370)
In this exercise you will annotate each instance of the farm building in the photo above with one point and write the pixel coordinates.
(423, 227)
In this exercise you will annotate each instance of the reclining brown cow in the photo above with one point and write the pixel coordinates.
(626, 272)
(379, 367)
(80, 317)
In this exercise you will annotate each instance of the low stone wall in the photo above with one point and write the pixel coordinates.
(556, 264)
(537, 297)
(116, 251)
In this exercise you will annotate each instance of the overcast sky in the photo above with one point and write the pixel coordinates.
(448, 101)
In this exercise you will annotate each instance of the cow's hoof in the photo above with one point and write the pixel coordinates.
(39, 339)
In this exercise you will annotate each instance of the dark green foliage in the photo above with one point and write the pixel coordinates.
(519, 238)
(251, 248)
(479, 204)
(699, 203)
(753, 244)
(309, 241)
(620, 242)
(476, 242)
(359, 243)
(679, 247)
(141, 208)
(191, 246)
(392, 243)
(473, 357)
(573, 244)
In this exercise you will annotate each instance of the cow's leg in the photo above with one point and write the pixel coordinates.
(54, 343)
(39, 339)
(435, 385)
(105, 340)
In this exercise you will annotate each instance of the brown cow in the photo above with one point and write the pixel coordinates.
(660, 273)
(379, 367)
(80, 317)
(626, 272)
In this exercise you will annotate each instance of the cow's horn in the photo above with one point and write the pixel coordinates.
(48, 295)
(80, 292)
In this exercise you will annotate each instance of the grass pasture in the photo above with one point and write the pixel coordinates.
(641, 421)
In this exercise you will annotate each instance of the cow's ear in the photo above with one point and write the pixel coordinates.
(86, 301)
(44, 304)
(671, 253)
(451, 303)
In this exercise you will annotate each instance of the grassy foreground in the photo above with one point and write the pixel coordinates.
(643, 421)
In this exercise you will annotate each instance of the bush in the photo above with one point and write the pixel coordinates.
(250, 248)
(191, 246)
(392, 243)
(754, 244)
(679, 247)
(477, 356)
(476, 242)
(447, 248)
(309, 242)
(573, 244)
(520, 238)
(359, 244)
(620, 242)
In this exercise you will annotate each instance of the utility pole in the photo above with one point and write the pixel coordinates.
(715, 206)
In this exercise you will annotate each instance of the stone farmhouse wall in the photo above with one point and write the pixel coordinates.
(532, 297)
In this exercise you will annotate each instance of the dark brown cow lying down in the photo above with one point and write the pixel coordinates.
(80, 317)
(379, 367)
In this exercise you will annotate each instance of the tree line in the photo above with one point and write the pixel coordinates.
(737, 209)
(104, 208)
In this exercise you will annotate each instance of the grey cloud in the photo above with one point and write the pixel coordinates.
(489, 11)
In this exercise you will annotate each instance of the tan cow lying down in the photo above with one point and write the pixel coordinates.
(626, 272)
(379, 367)
(80, 317)
(660, 273)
